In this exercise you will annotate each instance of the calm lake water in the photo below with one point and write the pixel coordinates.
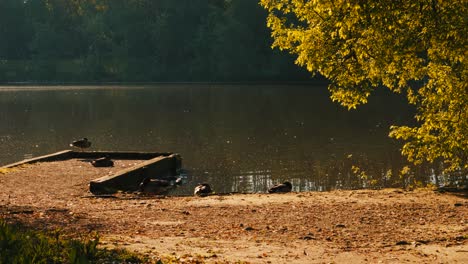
(239, 138)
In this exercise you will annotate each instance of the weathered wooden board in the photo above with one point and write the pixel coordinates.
(130, 178)
(61, 155)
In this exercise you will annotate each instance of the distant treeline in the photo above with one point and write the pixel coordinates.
(139, 40)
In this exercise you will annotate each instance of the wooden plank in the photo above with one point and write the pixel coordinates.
(118, 154)
(130, 178)
(61, 155)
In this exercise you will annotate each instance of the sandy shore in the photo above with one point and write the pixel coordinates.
(362, 226)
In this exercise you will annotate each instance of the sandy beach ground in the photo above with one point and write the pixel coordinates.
(356, 226)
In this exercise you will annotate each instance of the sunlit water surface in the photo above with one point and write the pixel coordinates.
(239, 138)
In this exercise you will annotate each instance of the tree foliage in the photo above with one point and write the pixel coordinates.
(417, 48)
(138, 40)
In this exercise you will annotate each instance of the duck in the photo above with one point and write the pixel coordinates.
(202, 189)
(281, 188)
(103, 162)
(157, 186)
(81, 143)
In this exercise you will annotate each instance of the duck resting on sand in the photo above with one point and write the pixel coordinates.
(157, 186)
(103, 162)
(81, 143)
(281, 188)
(202, 189)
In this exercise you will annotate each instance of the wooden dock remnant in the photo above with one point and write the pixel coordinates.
(153, 165)
(130, 178)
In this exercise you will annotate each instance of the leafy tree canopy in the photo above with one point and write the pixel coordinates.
(139, 40)
(417, 48)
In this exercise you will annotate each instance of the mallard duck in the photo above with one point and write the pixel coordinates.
(281, 188)
(202, 189)
(157, 186)
(103, 162)
(81, 143)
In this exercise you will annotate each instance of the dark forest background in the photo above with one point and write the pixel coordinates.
(139, 41)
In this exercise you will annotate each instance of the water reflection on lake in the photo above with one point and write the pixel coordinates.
(240, 138)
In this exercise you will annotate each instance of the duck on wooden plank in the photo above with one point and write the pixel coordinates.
(203, 189)
(81, 143)
(103, 162)
(281, 188)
